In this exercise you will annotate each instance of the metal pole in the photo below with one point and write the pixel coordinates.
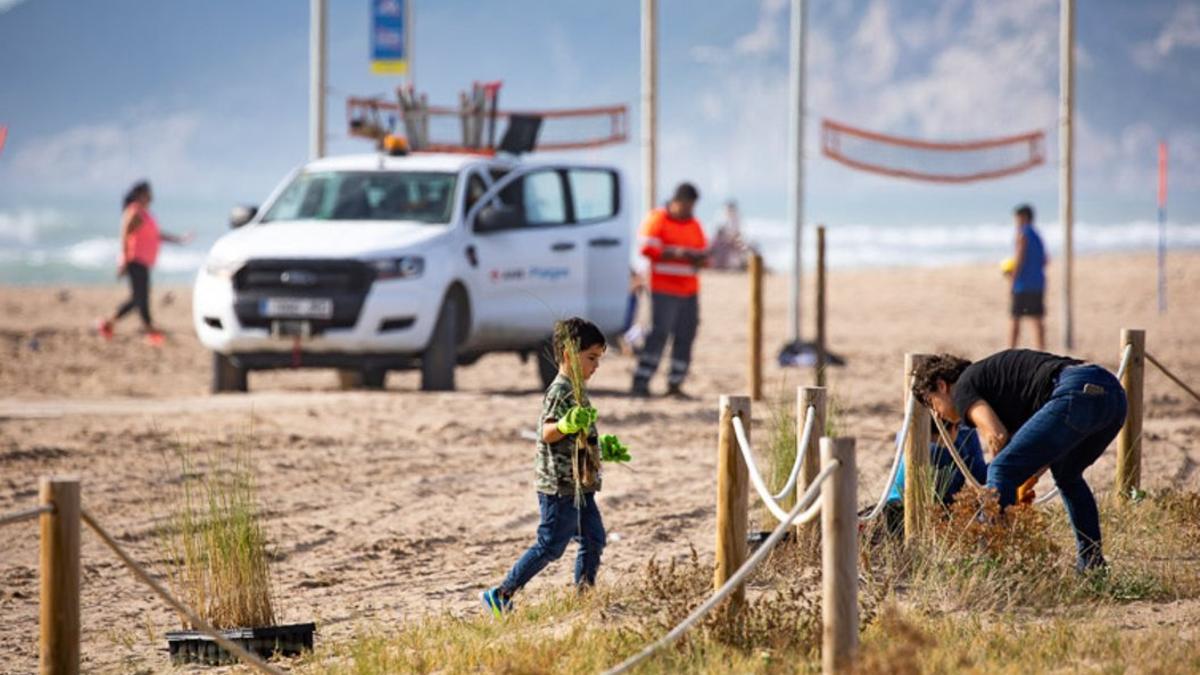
(316, 79)
(796, 152)
(1162, 227)
(1066, 159)
(409, 53)
(649, 104)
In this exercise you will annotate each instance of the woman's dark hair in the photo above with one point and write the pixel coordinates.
(139, 188)
(941, 368)
(1025, 211)
(582, 332)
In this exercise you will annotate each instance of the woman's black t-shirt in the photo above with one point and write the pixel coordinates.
(1014, 382)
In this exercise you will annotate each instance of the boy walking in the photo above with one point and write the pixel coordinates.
(563, 518)
(1028, 279)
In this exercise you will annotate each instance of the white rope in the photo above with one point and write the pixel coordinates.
(756, 479)
(772, 501)
(734, 581)
(801, 450)
(1124, 360)
(887, 485)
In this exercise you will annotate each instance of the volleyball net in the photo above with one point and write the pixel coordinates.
(938, 162)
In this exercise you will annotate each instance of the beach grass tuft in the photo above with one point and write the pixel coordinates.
(216, 546)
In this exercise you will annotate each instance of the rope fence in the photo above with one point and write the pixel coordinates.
(24, 514)
(1172, 377)
(735, 581)
(771, 501)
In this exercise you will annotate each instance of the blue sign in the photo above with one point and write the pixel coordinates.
(389, 43)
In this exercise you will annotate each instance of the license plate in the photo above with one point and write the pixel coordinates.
(297, 308)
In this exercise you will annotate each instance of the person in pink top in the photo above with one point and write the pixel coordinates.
(140, 241)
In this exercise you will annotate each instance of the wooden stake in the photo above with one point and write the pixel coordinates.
(816, 397)
(917, 478)
(839, 557)
(820, 365)
(733, 485)
(59, 561)
(1129, 439)
(756, 325)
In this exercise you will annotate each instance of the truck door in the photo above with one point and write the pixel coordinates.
(595, 198)
(528, 259)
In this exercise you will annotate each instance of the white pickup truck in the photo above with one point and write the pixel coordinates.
(371, 263)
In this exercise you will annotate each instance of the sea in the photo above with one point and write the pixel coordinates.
(57, 248)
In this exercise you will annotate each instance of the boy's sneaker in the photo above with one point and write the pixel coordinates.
(155, 338)
(104, 328)
(496, 603)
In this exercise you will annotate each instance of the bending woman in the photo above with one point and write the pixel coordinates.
(1033, 410)
(140, 241)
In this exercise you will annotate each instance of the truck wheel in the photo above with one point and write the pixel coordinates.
(547, 367)
(373, 378)
(226, 376)
(440, 357)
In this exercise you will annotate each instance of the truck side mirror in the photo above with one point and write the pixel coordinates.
(498, 217)
(240, 215)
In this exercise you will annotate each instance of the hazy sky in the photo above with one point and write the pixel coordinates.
(209, 99)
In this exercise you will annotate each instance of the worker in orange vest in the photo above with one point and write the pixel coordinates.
(674, 242)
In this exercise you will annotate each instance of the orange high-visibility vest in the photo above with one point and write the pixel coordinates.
(672, 277)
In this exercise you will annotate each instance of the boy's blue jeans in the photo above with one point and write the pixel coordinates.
(561, 522)
(1068, 433)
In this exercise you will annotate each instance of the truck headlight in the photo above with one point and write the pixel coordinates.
(222, 269)
(404, 267)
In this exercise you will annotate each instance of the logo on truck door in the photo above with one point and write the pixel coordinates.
(535, 272)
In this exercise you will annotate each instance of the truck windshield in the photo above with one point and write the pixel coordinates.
(366, 195)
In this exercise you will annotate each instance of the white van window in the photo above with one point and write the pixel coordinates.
(545, 203)
(594, 192)
(366, 195)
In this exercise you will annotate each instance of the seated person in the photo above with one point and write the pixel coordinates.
(947, 479)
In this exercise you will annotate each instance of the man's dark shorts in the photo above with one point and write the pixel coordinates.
(1029, 303)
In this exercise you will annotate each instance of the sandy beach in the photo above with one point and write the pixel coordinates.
(387, 505)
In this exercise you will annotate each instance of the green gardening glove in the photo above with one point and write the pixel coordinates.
(613, 450)
(577, 419)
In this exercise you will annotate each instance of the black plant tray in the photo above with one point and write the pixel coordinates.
(190, 646)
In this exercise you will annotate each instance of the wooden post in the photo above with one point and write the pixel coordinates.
(917, 476)
(756, 325)
(816, 397)
(820, 306)
(1129, 439)
(733, 484)
(59, 649)
(839, 557)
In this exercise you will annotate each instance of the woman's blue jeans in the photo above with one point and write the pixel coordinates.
(562, 522)
(1068, 433)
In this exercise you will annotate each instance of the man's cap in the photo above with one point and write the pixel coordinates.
(686, 192)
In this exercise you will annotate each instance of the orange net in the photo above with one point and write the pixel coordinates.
(940, 162)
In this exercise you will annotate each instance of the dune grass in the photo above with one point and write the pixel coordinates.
(215, 544)
(966, 600)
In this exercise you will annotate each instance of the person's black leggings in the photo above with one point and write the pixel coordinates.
(139, 285)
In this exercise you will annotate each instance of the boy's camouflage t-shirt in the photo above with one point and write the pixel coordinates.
(552, 466)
